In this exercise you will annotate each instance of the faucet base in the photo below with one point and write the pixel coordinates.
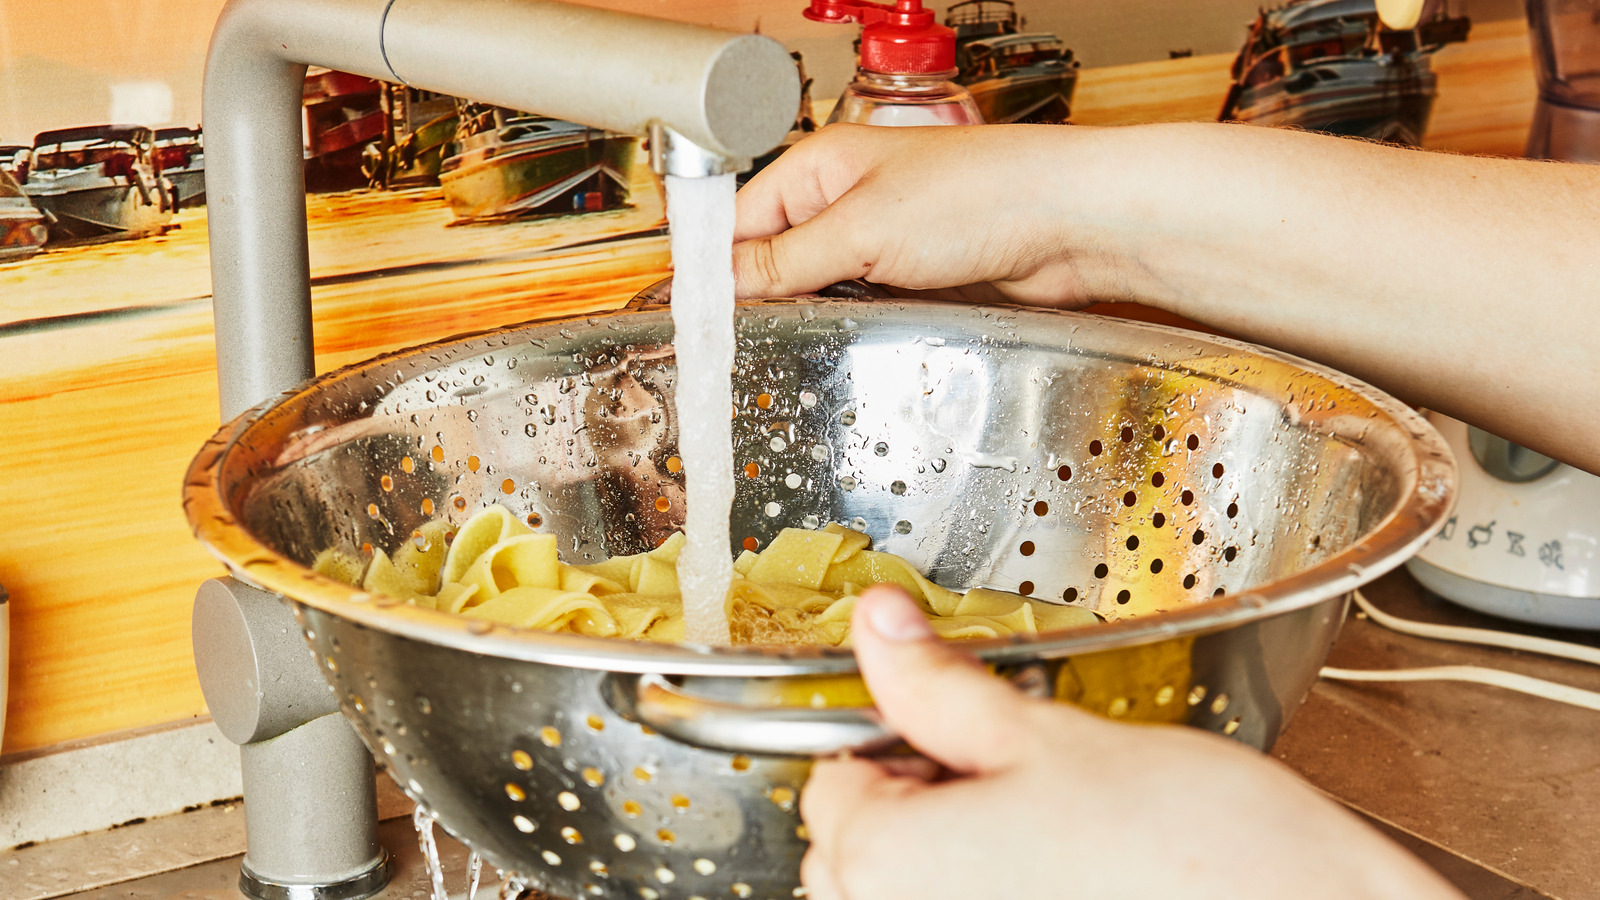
(360, 886)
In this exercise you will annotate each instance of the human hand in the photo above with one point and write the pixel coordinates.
(1038, 799)
(965, 213)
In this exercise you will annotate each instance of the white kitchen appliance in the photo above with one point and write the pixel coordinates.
(1524, 540)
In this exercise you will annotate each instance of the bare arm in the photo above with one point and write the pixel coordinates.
(1465, 284)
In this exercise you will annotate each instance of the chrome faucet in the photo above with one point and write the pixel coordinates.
(711, 100)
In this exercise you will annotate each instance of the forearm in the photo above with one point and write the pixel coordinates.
(1468, 285)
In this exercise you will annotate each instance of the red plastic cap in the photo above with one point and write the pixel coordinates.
(898, 39)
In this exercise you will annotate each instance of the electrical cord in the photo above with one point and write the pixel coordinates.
(1483, 636)
(1525, 684)
(1511, 681)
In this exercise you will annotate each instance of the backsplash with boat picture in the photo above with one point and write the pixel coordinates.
(1320, 64)
(431, 215)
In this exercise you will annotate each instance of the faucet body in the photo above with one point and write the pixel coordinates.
(712, 99)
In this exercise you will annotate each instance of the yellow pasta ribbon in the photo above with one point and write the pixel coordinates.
(800, 590)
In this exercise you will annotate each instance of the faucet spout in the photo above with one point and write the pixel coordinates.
(673, 154)
(731, 94)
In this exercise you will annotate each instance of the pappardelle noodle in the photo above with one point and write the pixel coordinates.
(799, 590)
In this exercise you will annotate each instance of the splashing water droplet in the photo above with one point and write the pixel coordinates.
(423, 821)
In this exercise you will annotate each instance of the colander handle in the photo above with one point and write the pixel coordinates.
(714, 724)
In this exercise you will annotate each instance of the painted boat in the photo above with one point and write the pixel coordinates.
(11, 154)
(22, 228)
(180, 156)
(340, 115)
(98, 182)
(420, 132)
(1332, 66)
(1014, 76)
(510, 164)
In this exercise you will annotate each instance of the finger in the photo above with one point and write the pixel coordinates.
(821, 251)
(912, 766)
(818, 878)
(834, 793)
(799, 184)
(939, 699)
(784, 194)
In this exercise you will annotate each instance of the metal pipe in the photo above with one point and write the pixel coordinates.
(722, 97)
(731, 95)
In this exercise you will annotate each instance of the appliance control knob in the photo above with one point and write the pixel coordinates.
(1507, 461)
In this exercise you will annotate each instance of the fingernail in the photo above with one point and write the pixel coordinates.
(898, 619)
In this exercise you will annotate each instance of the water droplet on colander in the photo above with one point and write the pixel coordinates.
(881, 448)
(424, 705)
(938, 465)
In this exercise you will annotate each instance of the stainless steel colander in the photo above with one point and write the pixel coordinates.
(1214, 501)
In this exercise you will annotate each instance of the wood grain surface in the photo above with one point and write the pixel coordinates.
(107, 386)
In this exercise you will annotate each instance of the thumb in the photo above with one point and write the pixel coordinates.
(807, 257)
(936, 697)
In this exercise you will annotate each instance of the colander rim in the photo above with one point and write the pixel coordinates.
(1425, 505)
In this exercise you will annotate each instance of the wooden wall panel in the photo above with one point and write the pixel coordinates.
(107, 389)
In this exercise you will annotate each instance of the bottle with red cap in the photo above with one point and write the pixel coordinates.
(907, 62)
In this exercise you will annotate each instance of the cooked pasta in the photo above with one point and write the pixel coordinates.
(799, 590)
